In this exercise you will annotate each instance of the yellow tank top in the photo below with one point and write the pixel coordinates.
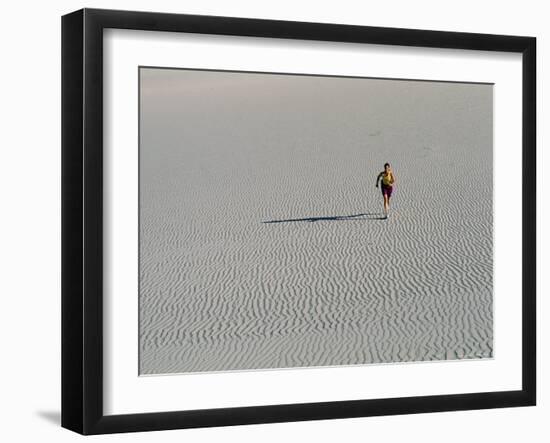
(386, 179)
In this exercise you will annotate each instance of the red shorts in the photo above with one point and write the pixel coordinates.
(387, 190)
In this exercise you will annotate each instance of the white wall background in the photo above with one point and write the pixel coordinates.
(30, 219)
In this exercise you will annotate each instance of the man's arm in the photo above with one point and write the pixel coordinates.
(378, 178)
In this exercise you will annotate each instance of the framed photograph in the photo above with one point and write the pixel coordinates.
(269, 221)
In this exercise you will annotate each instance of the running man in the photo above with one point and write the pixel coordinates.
(388, 180)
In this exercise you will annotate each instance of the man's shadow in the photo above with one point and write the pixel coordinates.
(351, 217)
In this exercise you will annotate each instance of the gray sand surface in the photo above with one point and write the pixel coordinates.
(261, 243)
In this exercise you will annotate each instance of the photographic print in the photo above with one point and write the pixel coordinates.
(294, 221)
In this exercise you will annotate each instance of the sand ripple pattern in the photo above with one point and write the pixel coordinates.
(265, 251)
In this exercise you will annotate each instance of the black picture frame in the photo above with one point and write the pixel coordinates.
(82, 218)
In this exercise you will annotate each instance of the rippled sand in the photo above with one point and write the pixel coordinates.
(261, 243)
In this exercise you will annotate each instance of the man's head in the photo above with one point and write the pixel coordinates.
(386, 166)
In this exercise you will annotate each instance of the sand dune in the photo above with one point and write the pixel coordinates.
(264, 247)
